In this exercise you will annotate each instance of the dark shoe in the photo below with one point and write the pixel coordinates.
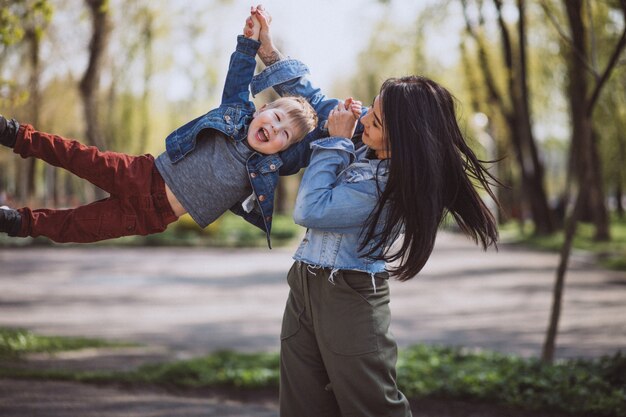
(10, 221)
(8, 131)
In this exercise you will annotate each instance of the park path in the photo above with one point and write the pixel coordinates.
(183, 302)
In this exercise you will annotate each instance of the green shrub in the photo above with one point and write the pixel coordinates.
(583, 387)
(229, 230)
(17, 342)
(224, 368)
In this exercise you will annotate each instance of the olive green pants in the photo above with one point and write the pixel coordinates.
(337, 356)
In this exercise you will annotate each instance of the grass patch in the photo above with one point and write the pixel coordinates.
(610, 254)
(220, 369)
(595, 387)
(15, 343)
(585, 387)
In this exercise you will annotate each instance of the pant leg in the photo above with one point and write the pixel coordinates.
(113, 172)
(143, 213)
(352, 319)
(304, 381)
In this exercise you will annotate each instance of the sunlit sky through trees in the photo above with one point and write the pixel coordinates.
(326, 34)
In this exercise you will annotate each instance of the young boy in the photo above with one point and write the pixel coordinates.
(233, 164)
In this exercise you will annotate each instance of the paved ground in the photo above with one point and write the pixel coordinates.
(184, 302)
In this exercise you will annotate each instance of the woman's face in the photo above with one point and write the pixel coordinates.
(373, 134)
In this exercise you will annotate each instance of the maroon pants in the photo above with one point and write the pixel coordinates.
(137, 204)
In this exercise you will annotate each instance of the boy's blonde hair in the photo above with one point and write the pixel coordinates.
(300, 112)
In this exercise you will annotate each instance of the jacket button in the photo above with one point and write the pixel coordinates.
(268, 219)
(253, 175)
(261, 197)
(227, 118)
(273, 167)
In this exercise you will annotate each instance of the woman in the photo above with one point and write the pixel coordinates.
(406, 168)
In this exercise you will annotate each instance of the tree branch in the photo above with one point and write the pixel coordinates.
(609, 67)
(592, 38)
(567, 39)
(484, 61)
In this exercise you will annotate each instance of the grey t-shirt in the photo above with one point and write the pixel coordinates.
(210, 179)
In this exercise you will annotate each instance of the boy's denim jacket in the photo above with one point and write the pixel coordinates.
(340, 188)
(233, 118)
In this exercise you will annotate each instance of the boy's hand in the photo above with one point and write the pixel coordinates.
(355, 106)
(342, 119)
(252, 29)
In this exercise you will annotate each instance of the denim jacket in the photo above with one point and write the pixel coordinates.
(340, 188)
(338, 192)
(233, 118)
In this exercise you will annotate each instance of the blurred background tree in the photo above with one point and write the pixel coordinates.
(122, 75)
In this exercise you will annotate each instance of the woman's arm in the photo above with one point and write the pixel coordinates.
(325, 205)
(300, 86)
(322, 203)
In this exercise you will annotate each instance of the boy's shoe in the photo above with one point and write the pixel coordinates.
(10, 221)
(8, 131)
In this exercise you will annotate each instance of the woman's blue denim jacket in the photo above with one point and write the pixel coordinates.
(233, 118)
(339, 189)
(338, 192)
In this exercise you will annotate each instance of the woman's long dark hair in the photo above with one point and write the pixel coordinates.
(430, 173)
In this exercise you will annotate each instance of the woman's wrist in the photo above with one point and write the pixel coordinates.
(269, 54)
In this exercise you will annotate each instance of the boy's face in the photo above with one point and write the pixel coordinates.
(271, 131)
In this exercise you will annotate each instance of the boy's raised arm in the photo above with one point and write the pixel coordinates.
(241, 70)
(286, 76)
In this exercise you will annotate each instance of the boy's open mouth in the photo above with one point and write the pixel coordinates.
(263, 135)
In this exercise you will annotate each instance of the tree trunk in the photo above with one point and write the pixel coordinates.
(34, 106)
(147, 40)
(619, 182)
(91, 79)
(584, 154)
(619, 195)
(549, 345)
(590, 183)
(542, 215)
(516, 113)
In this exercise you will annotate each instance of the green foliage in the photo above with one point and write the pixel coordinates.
(610, 254)
(224, 368)
(584, 387)
(10, 29)
(229, 230)
(17, 17)
(17, 342)
(577, 386)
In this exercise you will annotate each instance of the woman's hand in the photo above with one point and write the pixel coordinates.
(267, 51)
(342, 119)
